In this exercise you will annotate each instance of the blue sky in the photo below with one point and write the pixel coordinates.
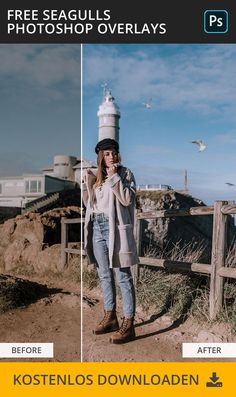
(193, 91)
(40, 89)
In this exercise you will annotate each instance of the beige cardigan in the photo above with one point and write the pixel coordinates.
(122, 245)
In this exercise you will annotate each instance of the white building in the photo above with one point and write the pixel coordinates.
(154, 187)
(62, 167)
(64, 174)
(20, 190)
(67, 167)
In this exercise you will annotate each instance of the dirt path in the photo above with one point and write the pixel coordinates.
(158, 339)
(55, 318)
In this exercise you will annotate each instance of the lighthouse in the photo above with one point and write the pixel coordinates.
(109, 115)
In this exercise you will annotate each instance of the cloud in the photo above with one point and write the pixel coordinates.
(194, 77)
(50, 71)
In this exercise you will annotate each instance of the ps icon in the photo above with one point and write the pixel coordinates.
(216, 21)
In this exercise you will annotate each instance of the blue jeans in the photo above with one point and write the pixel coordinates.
(106, 274)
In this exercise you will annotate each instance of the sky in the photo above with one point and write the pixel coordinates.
(193, 91)
(40, 91)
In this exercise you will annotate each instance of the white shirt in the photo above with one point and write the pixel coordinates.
(101, 204)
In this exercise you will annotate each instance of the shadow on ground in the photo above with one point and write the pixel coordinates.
(17, 292)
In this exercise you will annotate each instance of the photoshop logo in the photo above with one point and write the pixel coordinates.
(216, 21)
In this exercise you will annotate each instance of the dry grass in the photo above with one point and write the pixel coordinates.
(16, 292)
(167, 291)
(71, 272)
(200, 305)
(190, 252)
(230, 260)
(90, 277)
(185, 295)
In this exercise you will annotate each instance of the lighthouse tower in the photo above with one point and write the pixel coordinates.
(109, 115)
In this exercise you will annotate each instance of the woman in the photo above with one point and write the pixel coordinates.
(109, 242)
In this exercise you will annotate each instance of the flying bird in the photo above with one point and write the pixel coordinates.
(200, 144)
(229, 184)
(148, 104)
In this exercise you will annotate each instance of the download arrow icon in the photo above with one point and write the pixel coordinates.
(214, 377)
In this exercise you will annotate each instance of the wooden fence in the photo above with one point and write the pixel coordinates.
(216, 269)
(65, 250)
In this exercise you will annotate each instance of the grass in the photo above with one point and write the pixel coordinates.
(193, 251)
(16, 292)
(228, 312)
(164, 292)
(90, 278)
(73, 269)
(172, 292)
(71, 272)
(184, 295)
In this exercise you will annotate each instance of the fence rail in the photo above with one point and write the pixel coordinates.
(216, 269)
(169, 213)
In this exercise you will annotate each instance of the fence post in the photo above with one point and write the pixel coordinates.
(64, 242)
(217, 258)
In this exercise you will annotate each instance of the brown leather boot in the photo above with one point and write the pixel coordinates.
(126, 333)
(109, 323)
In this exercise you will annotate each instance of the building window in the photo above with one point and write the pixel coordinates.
(33, 186)
(0, 188)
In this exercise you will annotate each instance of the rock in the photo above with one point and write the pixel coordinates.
(48, 259)
(33, 240)
(165, 320)
(207, 336)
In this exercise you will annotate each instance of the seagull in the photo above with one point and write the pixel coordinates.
(201, 145)
(148, 104)
(229, 184)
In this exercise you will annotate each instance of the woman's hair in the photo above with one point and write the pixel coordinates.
(102, 173)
